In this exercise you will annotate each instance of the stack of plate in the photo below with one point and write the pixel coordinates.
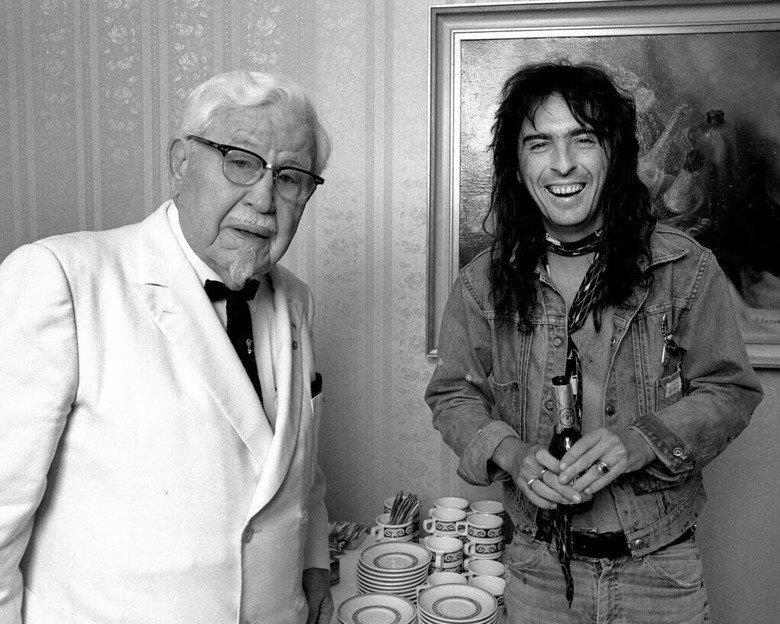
(393, 568)
(456, 604)
(376, 608)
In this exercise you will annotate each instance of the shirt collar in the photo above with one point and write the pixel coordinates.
(203, 271)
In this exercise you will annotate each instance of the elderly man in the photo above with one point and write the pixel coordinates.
(635, 318)
(160, 406)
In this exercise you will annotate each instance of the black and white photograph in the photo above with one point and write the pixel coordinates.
(389, 312)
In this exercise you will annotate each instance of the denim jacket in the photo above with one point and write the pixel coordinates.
(493, 380)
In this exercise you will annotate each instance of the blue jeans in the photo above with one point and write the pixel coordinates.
(663, 587)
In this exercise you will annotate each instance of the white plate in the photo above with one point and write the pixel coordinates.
(453, 603)
(385, 578)
(425, 619)
(395, 557)
(410, 595)
(390, 588)
(376, 609)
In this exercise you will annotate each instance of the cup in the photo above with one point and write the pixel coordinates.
(447, 551)
(483, 567)
(386, 532)
(484, 550)
(492, 584)
(388, 507)
(444, 521)
(480, 527)
(451, 502)
(440, 578)
(487, 507)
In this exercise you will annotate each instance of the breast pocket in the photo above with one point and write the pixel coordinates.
(660, 355)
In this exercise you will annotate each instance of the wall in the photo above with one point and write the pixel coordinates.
(89, 93)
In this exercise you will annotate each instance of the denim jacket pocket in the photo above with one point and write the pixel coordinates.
(507, 402)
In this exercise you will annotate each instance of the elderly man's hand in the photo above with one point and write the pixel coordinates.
(316, 587)
(601, 456)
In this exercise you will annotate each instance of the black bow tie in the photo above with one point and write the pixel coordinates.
(217, 291)
(239, 323)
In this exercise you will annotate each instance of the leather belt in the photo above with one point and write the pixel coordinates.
(599, 545)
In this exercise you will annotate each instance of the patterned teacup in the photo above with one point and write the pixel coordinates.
(484, 549)
(479, 527)
(444, 521)
(386, 532)
(451, 502)
(447, 551)
(483, 567)
(487, 507)
(441, 578)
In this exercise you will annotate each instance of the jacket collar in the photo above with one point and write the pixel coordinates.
(172, 293)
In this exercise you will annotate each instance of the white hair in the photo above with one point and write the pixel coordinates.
(246, 89)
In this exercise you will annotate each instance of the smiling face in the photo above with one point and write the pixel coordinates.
(240, 231)
(564, 167)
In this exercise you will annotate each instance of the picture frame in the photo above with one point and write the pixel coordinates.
(683, 61)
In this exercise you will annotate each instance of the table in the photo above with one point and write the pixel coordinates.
(347, 585)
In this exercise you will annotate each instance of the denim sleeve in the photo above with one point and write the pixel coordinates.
(722, 388)
(459, 395)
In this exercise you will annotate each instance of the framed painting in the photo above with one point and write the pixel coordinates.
(705, 80)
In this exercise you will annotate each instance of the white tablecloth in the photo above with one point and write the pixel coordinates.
(347, 585)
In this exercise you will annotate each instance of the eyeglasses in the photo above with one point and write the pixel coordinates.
(244, 168)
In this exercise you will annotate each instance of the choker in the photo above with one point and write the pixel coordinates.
(586, 245)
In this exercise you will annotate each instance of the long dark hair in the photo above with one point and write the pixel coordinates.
(518, 243)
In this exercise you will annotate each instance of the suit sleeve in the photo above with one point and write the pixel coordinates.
(38, 377)
(315, 553)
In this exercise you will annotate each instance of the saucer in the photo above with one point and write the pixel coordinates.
(376, 609)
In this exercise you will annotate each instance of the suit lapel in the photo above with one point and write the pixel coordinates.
(288, 375)
(172, 293)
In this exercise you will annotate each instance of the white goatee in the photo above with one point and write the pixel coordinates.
(242, 267)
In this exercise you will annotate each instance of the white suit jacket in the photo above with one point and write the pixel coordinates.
(140, 481)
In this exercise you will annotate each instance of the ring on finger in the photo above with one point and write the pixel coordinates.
(541, 474)
(531, 480)
(602, 467)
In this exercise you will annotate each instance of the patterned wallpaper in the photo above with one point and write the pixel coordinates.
(90, 92)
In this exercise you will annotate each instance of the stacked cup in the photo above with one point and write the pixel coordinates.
(484, 535)
(444, 543)
(446, 553)
(488, 574)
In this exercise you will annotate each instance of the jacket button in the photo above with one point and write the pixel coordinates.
(677, 451)
(246, 536)
(610, 409)
(639, 543)
(549, 404)
(527, 530)
(613, 341)
(557, 342)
